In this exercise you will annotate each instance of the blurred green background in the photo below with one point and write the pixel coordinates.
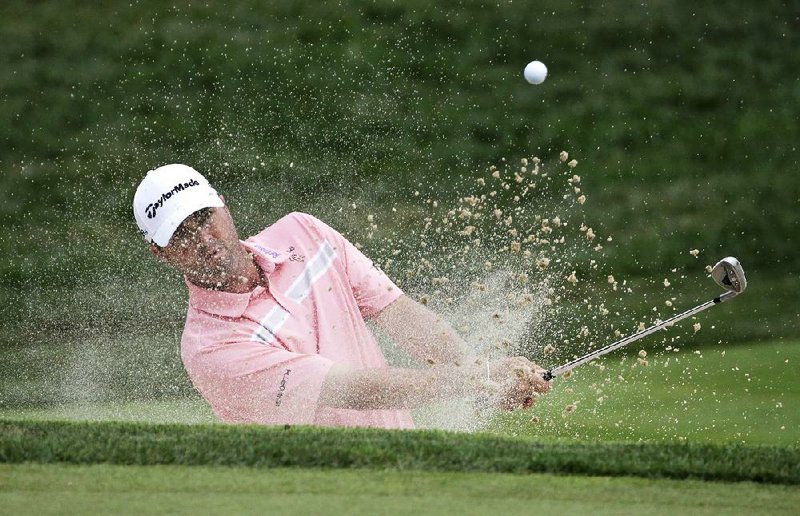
(684, 119)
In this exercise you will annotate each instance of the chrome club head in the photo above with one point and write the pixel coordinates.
(728, 274)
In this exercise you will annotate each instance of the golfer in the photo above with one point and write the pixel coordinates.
(276, 328)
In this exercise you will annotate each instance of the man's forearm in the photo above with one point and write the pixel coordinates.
(399, 388)
(423, 333)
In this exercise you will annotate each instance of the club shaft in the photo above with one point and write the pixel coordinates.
(632, 338)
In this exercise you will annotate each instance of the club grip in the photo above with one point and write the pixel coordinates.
(548, 375)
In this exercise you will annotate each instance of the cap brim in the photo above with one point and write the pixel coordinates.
(163, 234)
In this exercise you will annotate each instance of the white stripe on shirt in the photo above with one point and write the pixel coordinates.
(318, 266)
(270, 325)
(298, 292)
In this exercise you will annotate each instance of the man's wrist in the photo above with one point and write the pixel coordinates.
(477, 378)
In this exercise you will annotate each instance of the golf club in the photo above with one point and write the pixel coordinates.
(727, 273)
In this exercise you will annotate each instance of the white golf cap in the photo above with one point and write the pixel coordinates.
(166, 196)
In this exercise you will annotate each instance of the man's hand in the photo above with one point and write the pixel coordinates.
(516, 382)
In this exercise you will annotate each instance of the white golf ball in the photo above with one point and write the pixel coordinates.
(535, 72)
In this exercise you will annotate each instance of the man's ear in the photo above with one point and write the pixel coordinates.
(158, 252)
(224, 204)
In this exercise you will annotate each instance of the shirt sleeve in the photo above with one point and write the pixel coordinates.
(372, 288)
(249, 382)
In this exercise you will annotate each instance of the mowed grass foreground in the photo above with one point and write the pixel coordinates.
(429, 450)
(59, 489)
(561, 463)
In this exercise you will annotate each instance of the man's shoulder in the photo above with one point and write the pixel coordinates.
(298, 217)
(290, 222)
(295, 217)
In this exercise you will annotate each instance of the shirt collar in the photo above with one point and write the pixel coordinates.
(266, 258)
(231, 304)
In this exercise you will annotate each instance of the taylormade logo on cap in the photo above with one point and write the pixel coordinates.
(153, 207)
(166, 196)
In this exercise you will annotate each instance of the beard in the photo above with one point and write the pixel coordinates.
(219, 267)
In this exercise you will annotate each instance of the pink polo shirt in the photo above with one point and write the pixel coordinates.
(261, 357)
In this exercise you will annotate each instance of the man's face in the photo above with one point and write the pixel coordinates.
(205, 248)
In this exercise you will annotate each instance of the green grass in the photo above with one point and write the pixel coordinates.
(59, 489)
(684, 123)
(191, 445)
(746, 393)
(665, 421)
(725, 394)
